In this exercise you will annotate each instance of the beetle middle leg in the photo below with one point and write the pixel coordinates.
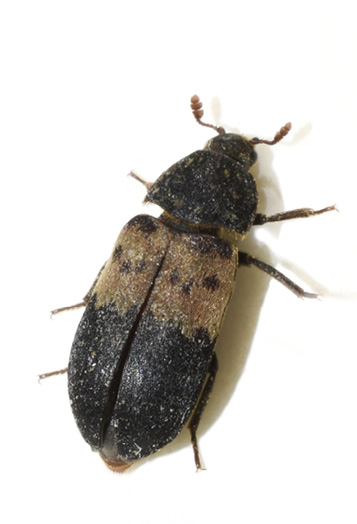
(248, 260)
(84, 303)
(200, 406)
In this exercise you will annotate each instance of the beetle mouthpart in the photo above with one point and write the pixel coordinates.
(118, 465)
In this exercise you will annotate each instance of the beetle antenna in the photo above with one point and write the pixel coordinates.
(196, 106)
(278, 136)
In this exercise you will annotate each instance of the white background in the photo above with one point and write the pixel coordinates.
(91, 90)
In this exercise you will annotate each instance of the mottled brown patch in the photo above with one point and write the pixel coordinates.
(175, 277)
(117, 253)
(138, 249)
(193, 276)
(143, 223)
(199, 259)
(208, 244)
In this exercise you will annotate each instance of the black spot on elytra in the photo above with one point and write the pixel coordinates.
(209, 244)
(201, 336)
(186, 287)
(126, 266)
(144, 223)
(117, 253)
(142, 265)
(212, 282)
(174, 277)
(223, 248)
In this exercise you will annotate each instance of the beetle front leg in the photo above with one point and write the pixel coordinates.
(200, 406)
(303, 212)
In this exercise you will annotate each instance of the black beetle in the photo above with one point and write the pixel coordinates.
(142, 362)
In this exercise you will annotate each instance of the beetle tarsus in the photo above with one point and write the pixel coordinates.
(196, 451)
(200, 406)
(303, 212)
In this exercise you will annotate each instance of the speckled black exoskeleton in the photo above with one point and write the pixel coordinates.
(142, 363)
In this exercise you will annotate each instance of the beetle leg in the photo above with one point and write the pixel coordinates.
(137, 177)
(249, 260)
(52, 373)
(287, 215)
(200, 406)
(67, 308)
(85, 300)
(84, 303)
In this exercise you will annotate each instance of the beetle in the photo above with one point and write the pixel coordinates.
(142, 363)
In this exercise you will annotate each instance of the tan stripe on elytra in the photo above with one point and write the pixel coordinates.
(186, 299)
(126, 279)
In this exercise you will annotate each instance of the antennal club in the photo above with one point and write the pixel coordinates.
(196, 106)
(278, 136)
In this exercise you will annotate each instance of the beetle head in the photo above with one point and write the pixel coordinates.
(234, 146)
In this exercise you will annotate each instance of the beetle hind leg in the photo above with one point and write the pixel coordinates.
(200, 406)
